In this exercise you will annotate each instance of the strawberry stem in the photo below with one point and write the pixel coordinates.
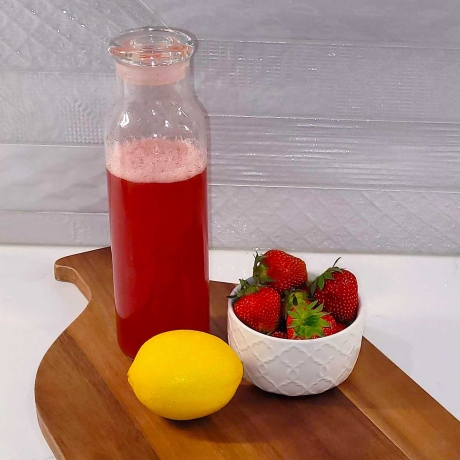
(307, 320)
(318, 282)
(259, 270)
(336, 262)
(245, 288)
(292, 298)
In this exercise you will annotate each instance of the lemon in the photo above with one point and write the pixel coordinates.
(184, 374)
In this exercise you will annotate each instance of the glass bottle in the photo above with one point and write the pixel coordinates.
(156, 158)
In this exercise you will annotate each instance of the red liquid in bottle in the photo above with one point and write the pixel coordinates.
(159, 240)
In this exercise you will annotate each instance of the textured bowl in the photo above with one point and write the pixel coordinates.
(295, 367)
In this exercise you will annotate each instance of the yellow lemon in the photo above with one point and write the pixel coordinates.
(184, 374)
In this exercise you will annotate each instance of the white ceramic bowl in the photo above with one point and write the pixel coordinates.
(295, 367)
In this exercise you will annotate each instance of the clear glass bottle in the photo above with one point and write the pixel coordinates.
(156, 157)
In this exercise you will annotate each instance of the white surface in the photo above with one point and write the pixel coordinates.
(34, 309)
(400, 292)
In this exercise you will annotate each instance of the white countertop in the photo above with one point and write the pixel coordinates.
(412, 316)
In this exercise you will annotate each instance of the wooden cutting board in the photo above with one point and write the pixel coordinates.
(87, 410)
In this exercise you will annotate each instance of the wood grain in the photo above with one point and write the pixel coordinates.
(87, 410)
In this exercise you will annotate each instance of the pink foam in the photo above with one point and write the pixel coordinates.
(152, 76)
(155, 160)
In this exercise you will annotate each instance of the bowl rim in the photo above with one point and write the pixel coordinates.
(354, 325)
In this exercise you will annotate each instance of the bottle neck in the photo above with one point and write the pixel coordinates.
(140, 83)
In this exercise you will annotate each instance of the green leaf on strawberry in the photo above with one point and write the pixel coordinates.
(327, 275)
(306, 320)
(293, 297)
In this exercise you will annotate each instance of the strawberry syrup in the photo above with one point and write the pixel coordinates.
(158, 221)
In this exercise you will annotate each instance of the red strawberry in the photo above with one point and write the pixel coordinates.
(307, 320)
(332, 329)
(337, 289)
(258, 307)
(335, 327)
(280, 270)
(279, 334)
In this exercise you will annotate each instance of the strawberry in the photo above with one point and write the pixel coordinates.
(335, 327)
(258, 307)
(332, 329)
(279, 334)
(307, 320)
(337, 290)
(292, 298)
(280, 270)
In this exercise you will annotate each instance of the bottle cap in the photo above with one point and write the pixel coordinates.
(152, 55)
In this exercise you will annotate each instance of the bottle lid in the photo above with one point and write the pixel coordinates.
(152, 47)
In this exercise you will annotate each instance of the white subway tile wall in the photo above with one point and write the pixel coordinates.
(334, 125)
